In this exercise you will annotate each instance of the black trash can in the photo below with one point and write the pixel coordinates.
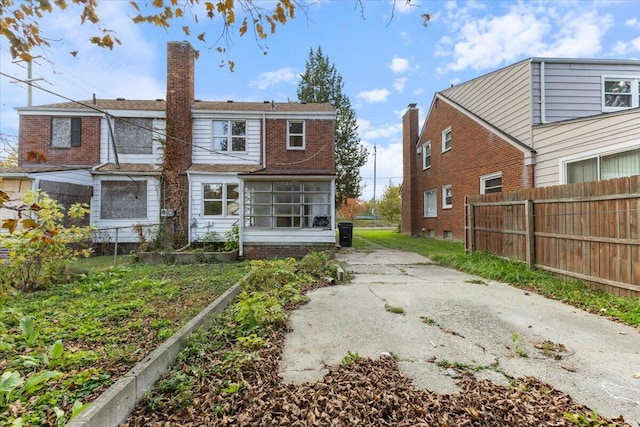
(345, 234)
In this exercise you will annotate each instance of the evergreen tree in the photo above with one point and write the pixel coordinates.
(320, 82)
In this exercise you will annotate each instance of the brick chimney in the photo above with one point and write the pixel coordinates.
(411, 208)
(179, 130)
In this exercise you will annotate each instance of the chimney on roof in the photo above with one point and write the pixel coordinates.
(95, 102)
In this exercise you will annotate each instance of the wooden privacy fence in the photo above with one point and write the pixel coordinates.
(588, 230)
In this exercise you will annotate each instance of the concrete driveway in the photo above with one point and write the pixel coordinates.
(452, 316)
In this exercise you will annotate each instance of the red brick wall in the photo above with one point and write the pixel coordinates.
(35, 137)
(474, 152)
(319, 153)
(282, 251)
(411, 207)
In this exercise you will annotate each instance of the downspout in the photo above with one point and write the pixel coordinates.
(191, 221)
(241, 225)
(543, 100)
(113, 143)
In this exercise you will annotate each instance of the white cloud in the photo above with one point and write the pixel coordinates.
(388, 167)
(399, 65)
(400, 83)
(374, 96)
(632, 23)
(406, 7)
(386, 131)
(271, 78)
(486, 41)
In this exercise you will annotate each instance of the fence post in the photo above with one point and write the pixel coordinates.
(115, 249)
(530, 240)
(472, 229)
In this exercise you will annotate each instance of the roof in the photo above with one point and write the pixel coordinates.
(23, 170)
(224, 168)
(128, 168)
(160, 105)
(288, 172)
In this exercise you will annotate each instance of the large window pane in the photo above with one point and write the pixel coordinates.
(582, 171)
(620, 164)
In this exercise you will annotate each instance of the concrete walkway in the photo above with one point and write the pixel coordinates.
(452, 316)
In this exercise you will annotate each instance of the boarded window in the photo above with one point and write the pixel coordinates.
(134, 135)
(66, 132)
(123, 200)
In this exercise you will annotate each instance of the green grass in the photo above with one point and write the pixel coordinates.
(516, 273)
(107, 319)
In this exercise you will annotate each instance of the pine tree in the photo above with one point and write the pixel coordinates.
(321, 82)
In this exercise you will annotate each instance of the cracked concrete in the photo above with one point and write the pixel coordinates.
(454, 317)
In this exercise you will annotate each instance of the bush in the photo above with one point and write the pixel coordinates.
(40, 244)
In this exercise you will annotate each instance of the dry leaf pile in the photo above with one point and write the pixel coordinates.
(365, 393)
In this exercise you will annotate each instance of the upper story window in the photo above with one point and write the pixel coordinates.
(620, 93)
(491, 183)
(295, 135)
(221, 199)
(447, 197)
(426, 155)
(430, 204)
(133, 135)
(229, 135)
(446, 139)
(603, 166)
(66, 132)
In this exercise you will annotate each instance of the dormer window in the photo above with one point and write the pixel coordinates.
(295, 135)
(229, 135)
(620, 93)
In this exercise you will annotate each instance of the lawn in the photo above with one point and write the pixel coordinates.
(451, 254)
(77, 338)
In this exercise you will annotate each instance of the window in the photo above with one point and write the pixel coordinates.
(133, 135)
(220, 199)
(604, 166)
(491, 183)
(66, 132)
(430, 204)
(295, 135)
(447, 197)
(426, 155)
(620, 93)
(229, 135)
(282, 204)
(446, 139)
(123, 199)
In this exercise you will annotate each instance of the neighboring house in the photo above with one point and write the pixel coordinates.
(536, 123)
(267, 167)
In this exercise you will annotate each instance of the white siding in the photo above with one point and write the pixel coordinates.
(279, 236)
(201, 224)
(572, 90)
(598, 134)
(106, 227)
(203, 143)
(106, 146)
(502, 98)
(77, 176)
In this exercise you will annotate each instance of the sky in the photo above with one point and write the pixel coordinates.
(385, 55)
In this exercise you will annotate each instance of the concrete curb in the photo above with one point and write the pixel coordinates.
(114, 405)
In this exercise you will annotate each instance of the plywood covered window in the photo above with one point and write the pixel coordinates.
(123, 199)
(66, 132)
(133, 135)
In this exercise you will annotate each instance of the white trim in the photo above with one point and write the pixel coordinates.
(485, 178)
(445, 131)
(229, 136)
(635, 95)
(444, 196)
(613, 149)
(304, 135)
(424, 154)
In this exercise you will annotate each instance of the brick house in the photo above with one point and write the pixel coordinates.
(267, 167)
(536, 123)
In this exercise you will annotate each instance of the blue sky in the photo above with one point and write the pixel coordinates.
(385, 55)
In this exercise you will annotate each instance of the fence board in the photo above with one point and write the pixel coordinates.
(588, 230)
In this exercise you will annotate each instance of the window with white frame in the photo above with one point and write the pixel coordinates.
(447, 197)
(230, 135)
(491, 183)
(66, 132)
(446, 139)
(426, 155)
(220, 199)
(620, 93)
(603, 166)
(430, 204)
(295, 135)
(287, 204)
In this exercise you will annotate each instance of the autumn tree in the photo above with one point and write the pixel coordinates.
(8, 150)
(352, 208)
(389, 206)
(321, 82)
